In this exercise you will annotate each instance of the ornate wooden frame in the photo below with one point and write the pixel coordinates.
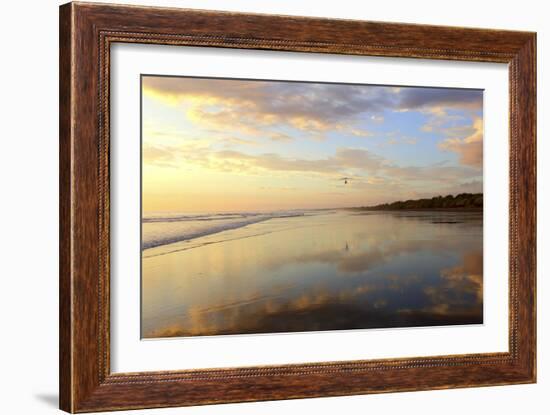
(86, 33)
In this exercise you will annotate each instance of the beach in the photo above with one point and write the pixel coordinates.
(246, 273)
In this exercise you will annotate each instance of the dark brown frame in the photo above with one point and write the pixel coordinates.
(86, 33)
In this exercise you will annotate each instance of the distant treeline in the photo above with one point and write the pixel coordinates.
(461, 201)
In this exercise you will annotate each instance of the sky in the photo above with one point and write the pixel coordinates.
(227, 145)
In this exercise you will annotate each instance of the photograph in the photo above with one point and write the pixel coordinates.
(262, 203)
(272, 206)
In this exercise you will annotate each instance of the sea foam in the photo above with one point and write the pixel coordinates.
(158, 230)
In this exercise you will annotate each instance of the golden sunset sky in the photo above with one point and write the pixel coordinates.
(216, 145)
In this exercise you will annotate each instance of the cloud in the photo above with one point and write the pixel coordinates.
(237, 140)
(343, 160)
(370, 173)
(397, 140)
(470, 148)
(255, 107)
(159, 156)
(442, 123)
(276, 136)
(435, 99)
(251, 106)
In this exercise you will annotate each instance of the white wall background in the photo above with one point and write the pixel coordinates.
(28, 206)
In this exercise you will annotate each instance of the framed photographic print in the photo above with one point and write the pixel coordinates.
(260, 207)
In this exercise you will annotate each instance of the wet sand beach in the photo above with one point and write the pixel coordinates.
(310, 271)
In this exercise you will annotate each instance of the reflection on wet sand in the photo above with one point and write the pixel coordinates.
(330, 271)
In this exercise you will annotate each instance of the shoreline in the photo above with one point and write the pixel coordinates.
(156, 245)
(373, 209)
